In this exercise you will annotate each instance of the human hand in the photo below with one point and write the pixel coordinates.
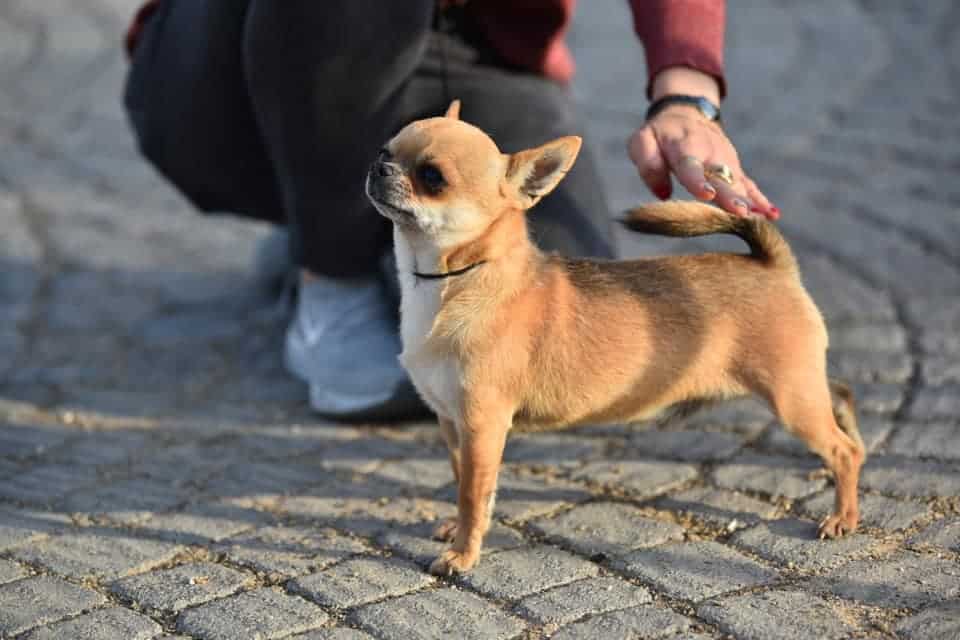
(682, 141)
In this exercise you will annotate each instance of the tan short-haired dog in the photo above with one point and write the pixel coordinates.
(498, 335)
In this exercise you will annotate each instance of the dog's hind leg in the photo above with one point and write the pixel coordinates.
(845, 411)
(804, 405)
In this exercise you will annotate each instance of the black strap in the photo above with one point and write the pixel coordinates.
(707, 108)
(448, 274)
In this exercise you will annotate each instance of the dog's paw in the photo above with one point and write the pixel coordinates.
(451, 562)
(446, 530)
(837, 525)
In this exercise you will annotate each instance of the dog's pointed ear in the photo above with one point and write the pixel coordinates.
(453, 111)
(536, 172)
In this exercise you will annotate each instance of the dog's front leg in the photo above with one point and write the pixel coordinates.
(482, 439)
(447, 530)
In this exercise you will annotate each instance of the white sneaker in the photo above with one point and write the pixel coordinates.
(343, 342)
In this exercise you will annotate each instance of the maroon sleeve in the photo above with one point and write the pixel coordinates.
(685, 33)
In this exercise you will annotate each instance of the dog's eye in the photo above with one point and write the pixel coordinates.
(431, 178)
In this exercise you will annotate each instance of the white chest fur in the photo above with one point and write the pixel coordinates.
(433, 370)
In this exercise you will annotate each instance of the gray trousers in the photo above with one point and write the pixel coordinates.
(274, 110)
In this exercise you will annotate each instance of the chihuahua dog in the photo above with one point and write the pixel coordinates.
(498, 335)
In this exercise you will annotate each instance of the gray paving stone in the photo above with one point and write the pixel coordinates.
(934, 440)
(870, 366)
(746, 416)
(288, 440)
(695, 570)
(248, 484)
(9, 468)
(366, 455)
(842, 297)
(935, 403)
(639, 478)
(773, 475)
(97, 553)
(103, 624)
(903, 580)
(366, 507)
(360, 581)
(340, 499)
(514, 574)
(873, 429)
(119, 308)
(47, 484)
(205, 522)
(646, 621)
(103, 448)
(935, 341)
(26, 525)
(548, 449)
(605, 529)
(171, 590)
(188, 326)
(416, 542)
(794, 543)
(438, 615)
(939, 369)
(939, 622)
(126, 502)
(877, 337)
(520, 499)
(197, 463)
(910, 478)
(878, 397)
(687, 446)
(942, 533)
(845, 153)
(935, 314)
(290, 551)
(573, 601)
(25, 441)
(255, 615)
(412, 474)
(10, 571)
(726, 508)
(339, 633)
(875, 511)
(41, 600)
(785, 615)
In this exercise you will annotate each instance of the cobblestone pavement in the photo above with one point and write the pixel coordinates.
(160, 478)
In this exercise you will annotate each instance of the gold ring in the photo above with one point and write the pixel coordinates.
(718, 172)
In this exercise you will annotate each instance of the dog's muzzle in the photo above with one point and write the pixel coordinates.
(385, 187)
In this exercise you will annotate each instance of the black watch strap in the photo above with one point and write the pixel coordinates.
(709, 110)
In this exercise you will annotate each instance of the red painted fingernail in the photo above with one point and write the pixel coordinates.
(774, 210)
(662, 191)
(757, 209)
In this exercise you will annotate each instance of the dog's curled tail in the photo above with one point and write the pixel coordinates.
(688, 219)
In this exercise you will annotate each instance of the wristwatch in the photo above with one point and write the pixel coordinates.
(709, 110)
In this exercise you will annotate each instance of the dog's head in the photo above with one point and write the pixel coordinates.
(446, 180)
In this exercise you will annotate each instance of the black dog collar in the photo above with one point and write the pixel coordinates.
(448, 274)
